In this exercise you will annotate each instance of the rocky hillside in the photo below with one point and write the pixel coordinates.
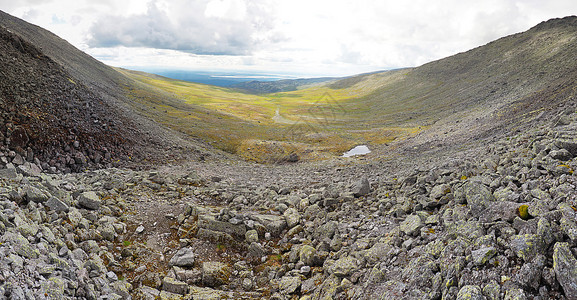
(61, 110)
(49, 120)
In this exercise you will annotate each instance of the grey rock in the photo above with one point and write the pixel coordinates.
(361, 188)
(89, 200)
(215, 273)
(308, 255)
(35, 194)
(139, 229)
(483, 255)
(394, 289)
(566, 145)
(18, 160)
(411, 225)
(251, 236)
(292, 217)
(562, 155)
(529, 275)
(184, 257)
(440, 190)
(289, 284)
(344, 266)
(273, 223)
(326, 230)
(174, 286)
(55, 204)
(147, 293)
(500, 210)
(8, 173)
(515, 294)
(111, 276)
(478, 197)
(470, 292)
(29, 169)
(565, 267)
(256, 250)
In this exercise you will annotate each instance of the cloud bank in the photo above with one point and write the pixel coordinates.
(303, 37)
(215, 27)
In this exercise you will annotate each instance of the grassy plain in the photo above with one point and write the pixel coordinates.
(315, 122)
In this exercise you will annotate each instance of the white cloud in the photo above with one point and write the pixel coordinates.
(215, 27)
(320, 37)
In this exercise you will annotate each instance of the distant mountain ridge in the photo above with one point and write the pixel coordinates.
(285, 85)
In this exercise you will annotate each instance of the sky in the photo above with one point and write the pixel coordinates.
(300, 37)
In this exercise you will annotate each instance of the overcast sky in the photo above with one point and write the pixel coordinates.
(303, 37)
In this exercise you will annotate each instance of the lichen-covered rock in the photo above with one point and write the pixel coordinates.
(292, 217)
(89, 200)
(492, 291)
(35, 194)
(251, 236)
(215, 273)
(470, 292)
(515, 294)
(328, 289)
(411, 225)
(344, 266)
(482, 256)
(527, 246)
(440, 190)
(308, 255)
(289, 284)
(172, 285)
(478, 197)
(565, 267)
(210, 223)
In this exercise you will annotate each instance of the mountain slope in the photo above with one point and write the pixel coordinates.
(67, 104)
(493, 89)
(79, 64)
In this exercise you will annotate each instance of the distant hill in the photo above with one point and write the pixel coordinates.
(285, 85)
